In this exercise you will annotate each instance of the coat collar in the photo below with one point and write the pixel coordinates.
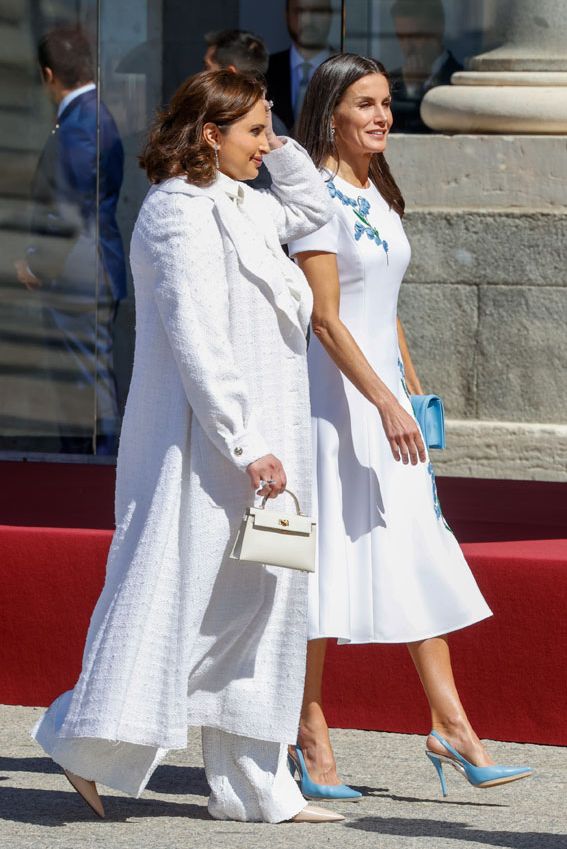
(229, 218)
(232, 188)
(84, 97)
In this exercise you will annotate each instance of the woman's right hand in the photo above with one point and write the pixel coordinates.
(270, 470)
(273, 141)
(402, 432)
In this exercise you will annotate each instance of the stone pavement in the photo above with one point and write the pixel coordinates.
(402, 808)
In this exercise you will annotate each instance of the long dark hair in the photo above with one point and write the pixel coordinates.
(324, 93)
(175, 146)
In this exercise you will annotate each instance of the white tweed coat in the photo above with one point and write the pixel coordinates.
(182, 634)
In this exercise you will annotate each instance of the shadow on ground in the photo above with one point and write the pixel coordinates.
(55, 808)
(382, 793)
(400, 827)
(178, 780)
(28, 765)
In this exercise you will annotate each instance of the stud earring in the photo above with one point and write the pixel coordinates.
(216, 150)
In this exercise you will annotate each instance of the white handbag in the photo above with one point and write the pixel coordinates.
(276, 538)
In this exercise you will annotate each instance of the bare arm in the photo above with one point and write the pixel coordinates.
(400, 428)
(412, 380)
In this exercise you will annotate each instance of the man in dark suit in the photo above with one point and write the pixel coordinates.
(420, 29)
(289, 72)
(75, 257)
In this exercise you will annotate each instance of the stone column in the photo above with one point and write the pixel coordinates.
(520, 87)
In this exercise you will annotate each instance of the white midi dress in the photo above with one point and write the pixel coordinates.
(389, 567)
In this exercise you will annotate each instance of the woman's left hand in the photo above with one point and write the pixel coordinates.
(273, 141)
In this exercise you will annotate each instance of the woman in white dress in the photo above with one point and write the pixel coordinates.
(182, 635)
(389, 568)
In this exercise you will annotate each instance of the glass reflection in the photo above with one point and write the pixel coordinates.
(419, 26)
(74, 235)
(64, 272)
(289, 71)
(70, 185)
(421, 43)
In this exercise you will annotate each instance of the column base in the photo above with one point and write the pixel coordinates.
(519, 102)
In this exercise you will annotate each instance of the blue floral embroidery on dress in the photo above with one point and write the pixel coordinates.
(361, 208)
(403, 374)
(436, 504)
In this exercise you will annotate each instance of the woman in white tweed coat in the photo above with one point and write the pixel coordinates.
(181, 634)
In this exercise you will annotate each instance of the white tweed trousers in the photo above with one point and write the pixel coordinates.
(249, 779)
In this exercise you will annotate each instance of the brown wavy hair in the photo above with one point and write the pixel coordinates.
(175, 145)
(324, 93)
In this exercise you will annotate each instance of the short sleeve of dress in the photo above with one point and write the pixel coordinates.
(326, 239)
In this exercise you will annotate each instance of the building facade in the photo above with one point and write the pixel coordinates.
(481, 99)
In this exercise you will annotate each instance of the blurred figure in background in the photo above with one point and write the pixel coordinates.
(289, 72)
(235, 50)
(420, 29)
(73, 224)
(240, 51)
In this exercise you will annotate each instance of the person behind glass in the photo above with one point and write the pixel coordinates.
(237, 50)
(289, 71)
(389, 569)
(181, 634)
(67, 208)
(420, 29)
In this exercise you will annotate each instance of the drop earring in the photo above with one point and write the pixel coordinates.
(332, 135)
(216, 150)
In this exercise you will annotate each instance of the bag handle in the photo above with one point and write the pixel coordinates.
(293, 495)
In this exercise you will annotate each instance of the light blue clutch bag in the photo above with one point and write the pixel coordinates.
(430, 415)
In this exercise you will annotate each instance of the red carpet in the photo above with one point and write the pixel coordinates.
(510, 669)
(50, 581)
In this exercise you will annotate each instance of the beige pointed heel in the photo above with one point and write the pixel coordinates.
(311, 813)
(86, 789)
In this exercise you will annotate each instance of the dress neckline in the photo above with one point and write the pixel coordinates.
(351, 186)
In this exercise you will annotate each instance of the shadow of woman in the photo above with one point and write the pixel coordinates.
(45, 765)
(178, 780)
(400, 827)
(55, 808)
(382, 793)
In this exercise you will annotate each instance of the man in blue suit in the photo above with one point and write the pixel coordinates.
(75, 258)
(289, 72)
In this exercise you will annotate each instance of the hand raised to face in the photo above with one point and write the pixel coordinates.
(273, 141)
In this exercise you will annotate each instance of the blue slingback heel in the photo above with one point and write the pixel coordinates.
(478, 776)
(332, 792)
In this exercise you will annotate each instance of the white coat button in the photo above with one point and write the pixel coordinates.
(238, 451)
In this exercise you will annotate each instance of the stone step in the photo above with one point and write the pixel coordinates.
(504, 450)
